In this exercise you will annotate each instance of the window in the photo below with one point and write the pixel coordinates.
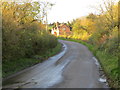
(64, 29)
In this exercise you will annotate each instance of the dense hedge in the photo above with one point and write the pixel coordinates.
(23, 35)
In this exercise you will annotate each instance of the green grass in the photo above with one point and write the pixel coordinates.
(13, 66)
(108, 62)
(110, 66)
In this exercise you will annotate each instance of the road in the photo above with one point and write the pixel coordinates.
(74, 67)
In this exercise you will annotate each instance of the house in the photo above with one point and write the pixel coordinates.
(61, 29)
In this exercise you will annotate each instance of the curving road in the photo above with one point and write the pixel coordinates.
(74, 67)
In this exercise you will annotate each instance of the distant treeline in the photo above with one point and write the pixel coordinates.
(23, 33)
(100, 30)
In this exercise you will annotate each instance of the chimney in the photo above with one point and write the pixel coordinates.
(57, 24)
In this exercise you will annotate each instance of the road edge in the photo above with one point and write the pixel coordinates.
(58, 56)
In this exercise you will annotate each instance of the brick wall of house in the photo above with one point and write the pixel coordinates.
(64, 29)
(61, 30)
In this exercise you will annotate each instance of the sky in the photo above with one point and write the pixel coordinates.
(67, 10)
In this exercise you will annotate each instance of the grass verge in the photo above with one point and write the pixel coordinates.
(13, 66)
(108, 62)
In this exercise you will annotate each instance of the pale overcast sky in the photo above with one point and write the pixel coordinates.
(67, 10)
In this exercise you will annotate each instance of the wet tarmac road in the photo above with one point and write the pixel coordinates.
(74, 67)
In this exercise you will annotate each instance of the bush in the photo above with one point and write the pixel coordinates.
(24, 36)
